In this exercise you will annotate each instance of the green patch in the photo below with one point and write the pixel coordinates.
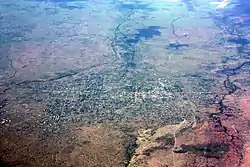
(166, 139)
(130, 148)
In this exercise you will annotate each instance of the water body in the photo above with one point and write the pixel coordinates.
(143, 33)
(240, 41)
(177, 46)
(149, 32)
(128, 43)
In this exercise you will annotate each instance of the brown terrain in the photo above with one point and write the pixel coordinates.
(54, 111)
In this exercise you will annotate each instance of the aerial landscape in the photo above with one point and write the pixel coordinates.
(115, 83)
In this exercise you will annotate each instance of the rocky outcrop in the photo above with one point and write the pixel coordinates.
(156, 146)
(193, 144)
